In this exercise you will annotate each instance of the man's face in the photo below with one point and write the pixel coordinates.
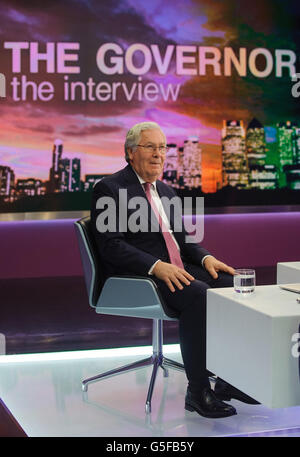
(148, 164)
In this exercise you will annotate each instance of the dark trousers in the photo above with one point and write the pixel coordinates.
(190, 303)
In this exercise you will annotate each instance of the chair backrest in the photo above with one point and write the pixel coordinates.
(94, 279)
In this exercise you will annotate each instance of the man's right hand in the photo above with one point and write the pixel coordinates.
(171, 274)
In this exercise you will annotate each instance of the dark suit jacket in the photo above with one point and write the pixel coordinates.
(126, 252)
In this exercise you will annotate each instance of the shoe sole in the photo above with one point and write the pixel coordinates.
(191, 408)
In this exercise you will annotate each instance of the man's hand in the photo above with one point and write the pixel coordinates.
(171, 274)
(213, 265)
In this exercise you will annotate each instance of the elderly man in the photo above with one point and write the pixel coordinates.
(182, 270)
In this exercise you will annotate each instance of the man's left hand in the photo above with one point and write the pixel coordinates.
(213, 265)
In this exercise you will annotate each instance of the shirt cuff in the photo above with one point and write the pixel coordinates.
(202, 261)
(151, 269)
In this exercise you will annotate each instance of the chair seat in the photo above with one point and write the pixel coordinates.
(132, 296)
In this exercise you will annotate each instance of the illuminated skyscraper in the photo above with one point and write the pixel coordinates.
(191, 163)
(286, 131)
(235, 170)
(54, 179)
(171, 166)
(261, 175)
(292, 172)
(69, 175)
(64, 174)
(271, 137)
(7, 181)
(287, 148)
(180, 177)
(296, 145)
(255, 144)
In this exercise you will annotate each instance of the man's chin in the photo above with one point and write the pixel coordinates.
(155, 176)
(156, 171)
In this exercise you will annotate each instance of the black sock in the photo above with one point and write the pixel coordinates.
(197, 388)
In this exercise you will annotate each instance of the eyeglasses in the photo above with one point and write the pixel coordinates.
(151, 148)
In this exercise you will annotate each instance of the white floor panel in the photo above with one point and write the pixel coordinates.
(46, 399)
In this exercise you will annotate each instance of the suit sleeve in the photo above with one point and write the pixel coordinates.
(112, 245)
(195, 252)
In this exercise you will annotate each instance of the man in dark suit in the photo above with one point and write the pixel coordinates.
(182, 270)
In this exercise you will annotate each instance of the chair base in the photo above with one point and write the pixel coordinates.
(157, 360)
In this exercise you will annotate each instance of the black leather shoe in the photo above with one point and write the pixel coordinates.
(224, 391)
(206, 404)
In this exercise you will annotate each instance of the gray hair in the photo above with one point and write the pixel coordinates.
(134, 134)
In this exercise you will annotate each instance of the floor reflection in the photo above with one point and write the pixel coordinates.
(46, 399)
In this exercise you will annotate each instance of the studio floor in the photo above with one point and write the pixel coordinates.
(43, 393)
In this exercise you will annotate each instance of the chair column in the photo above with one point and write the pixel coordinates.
(157, 337)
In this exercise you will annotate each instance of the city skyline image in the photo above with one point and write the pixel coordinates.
(255, 157)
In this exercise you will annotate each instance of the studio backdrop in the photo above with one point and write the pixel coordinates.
(221, 78)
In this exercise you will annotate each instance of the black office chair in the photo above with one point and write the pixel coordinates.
(132, 296)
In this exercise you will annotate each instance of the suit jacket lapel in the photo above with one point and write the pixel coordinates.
(132, 184)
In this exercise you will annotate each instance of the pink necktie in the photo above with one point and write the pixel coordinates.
(171, 246)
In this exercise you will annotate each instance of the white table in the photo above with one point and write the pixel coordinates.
(288, 272)
(252, 343)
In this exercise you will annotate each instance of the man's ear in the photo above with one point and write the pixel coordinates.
(130, 153)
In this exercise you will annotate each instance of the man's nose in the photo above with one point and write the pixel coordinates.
(157, 152)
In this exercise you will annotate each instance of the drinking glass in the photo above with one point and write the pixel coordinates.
(244, 281)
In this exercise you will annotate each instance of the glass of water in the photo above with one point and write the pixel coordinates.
(244, 281)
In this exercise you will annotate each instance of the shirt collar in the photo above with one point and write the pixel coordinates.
(142, 181)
